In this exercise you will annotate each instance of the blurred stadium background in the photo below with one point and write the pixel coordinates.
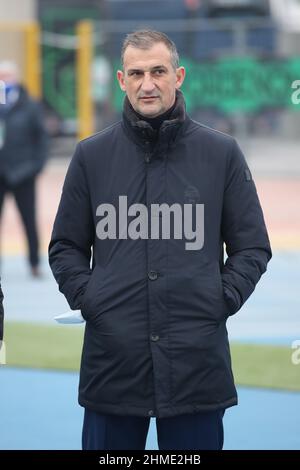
(242, 57)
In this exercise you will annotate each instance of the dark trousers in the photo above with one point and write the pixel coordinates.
(24, 195)
(200, 431)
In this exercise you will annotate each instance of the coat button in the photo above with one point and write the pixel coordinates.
(154, 337)
(150, 413)
(152, 275)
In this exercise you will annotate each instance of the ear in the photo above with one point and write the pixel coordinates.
(120, 77)
(180, 75)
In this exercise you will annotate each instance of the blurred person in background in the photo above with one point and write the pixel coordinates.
(23, 153)
(156, 342)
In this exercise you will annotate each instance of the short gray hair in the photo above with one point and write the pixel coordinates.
(145, 39)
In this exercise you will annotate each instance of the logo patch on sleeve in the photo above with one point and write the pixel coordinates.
(247, 173)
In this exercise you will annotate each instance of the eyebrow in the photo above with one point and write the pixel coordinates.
(156, 67)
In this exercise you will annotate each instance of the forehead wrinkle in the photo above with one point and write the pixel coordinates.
(146, 69)
(140, 59)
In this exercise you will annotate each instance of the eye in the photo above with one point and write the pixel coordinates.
(135, 73)
(159, 71)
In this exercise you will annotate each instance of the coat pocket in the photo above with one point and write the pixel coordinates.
(224, 307)
(91, 300)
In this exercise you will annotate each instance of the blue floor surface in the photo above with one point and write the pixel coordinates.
(39, 410)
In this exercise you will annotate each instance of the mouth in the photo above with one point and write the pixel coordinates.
(148, 98)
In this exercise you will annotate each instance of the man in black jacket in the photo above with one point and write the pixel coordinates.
(23, 152)
(156, 197)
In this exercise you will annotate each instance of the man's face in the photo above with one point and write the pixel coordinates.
(8, 76)
(149, 79)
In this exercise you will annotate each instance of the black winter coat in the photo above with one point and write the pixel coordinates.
(25, 149)
(155, 339)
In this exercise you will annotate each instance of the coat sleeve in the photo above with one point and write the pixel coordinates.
(73, 234)
(244, 233)
(1, 315)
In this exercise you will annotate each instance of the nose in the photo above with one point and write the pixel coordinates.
(147, 84)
